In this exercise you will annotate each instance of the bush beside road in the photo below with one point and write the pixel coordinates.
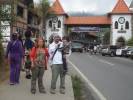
(81, 89)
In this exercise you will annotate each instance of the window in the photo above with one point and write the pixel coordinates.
(59, 24)
(50, 24)
(20, 11)
(116, 25)
(127, 25)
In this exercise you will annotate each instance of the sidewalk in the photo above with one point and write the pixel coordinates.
(22, 91)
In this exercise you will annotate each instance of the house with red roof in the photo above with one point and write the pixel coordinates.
(119, 21)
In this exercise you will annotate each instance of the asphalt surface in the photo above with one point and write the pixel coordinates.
(112, 76)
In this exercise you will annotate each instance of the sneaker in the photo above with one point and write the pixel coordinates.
(52, 91)
(42, 91)
(12, 83)
(33, 91)
(28, 76)
(62, 91)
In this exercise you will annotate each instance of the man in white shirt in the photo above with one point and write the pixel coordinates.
(55, 52)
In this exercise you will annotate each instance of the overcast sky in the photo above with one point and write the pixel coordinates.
(91, 6)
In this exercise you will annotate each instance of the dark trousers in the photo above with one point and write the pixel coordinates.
(14, 71)
(37, 73)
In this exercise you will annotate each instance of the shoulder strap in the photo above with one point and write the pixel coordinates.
(55, 51)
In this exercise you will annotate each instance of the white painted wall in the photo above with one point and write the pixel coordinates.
(61, 31)
(115, 35)
(5, 33)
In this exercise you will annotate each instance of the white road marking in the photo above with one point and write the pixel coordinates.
(106, 62)
(92, 56)
(99, 94)
(89, 56)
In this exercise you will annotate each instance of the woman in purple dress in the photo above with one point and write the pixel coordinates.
(15, 54)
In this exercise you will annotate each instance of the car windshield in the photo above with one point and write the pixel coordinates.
(131, 48)
(113, 47)
(76, 44)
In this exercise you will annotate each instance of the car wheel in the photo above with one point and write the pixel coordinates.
(72, 50)
(103, 54)
(112, 54)
(81, 51)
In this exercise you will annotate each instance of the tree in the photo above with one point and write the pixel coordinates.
(106, 38)
(130, 42)
(6, 16)
(42, 10)
(7, 13)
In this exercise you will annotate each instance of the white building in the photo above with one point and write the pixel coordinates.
(119, 20)
(121, 29)
(55, 24)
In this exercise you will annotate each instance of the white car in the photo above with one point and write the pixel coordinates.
(119, 51)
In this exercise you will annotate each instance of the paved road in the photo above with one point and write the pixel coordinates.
(112, 76)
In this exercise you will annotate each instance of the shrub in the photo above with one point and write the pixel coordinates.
(130, 42)
(1, 51)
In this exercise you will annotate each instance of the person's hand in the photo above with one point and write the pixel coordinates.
(7, 61)
(23, 61)
(32, 65)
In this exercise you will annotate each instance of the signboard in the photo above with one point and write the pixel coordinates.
(85, 29)
(121, 31)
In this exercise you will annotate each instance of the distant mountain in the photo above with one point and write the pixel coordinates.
(83, 14)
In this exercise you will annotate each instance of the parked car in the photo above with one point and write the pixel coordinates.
(77, 47)
(109, 50)
(126, 52)
(131, 55)
(120, 51)
(129, 52)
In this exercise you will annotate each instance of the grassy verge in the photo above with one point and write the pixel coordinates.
(77, 87)
(4, 72)
(81, 91)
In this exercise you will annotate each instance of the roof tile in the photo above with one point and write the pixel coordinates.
(57, 8)
(92, 20)
(121, 7)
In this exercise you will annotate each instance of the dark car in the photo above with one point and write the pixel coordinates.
(77, 47)
(129, 52)
(109, 50)
(132, 55)
(126, 52)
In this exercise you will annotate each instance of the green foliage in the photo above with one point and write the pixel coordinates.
(130, 42)
(42, 9)
(1, 53)
(77, 87)
(106, 38)
(5, 12)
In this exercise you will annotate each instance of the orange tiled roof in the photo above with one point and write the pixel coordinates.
(92, 20)
(121, 7)
(57, 8)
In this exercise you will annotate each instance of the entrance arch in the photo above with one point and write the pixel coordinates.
(121, 41)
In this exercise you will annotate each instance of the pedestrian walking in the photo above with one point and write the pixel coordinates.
(55, 51)
(15, 55)
(28, 45)
(21, 40)
(39, 56)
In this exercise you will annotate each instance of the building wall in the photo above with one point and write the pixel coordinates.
(20, 24)
(131, 9)
(51, 30)
(116, 33)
